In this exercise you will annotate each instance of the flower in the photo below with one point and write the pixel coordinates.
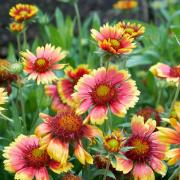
(16, 27)
(149, 112)
(105, 88)
(125, 4)
(22, 12)
(171, 74)
(71, 177)
(24, 158)
(171, 136)
(111, 39)
(66, 85)
(132, 29)
(3, 98)
(176, 110)
(40, 66)
(148, 151)
(66, 128)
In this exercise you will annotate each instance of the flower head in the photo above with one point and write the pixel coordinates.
(176, 110)
(22, 12)
(24, 158)
(171, 136)
(3, 98)
(125, 4)
(171, 74)
(148, 151)
(60, 131)
(16, 27)
(112, 40)
(132, 29)
(66, 85)
(40, 66)
(71, 177)
(102, 89)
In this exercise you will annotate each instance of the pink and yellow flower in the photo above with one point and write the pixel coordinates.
(164, 71)
(112, 40)
(171, 136)
(40, 66)
(24, 158)
(132, 29)
(16, 27)
(66, 128)
(66, 85)
(3, 98)
(22, 12)
(105, 88)
(125, 4)
(148, 151)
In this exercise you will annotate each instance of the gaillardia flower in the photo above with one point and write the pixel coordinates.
(125, 4)
(176, 111)
(148, 151)
(105, 88)
(58, 132)
(171, 74)
(21, 12)
(66, 85)
(171, 136)
(16, 27)
(40, 66)
(112, 40)
(3, 98)
(24, 158)
(132, 29)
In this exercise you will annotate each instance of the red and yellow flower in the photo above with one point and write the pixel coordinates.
(105, 88)
(66, 128)
(164, 71)
(16, 27)
(125, 4)
(148, 151)
(113, 40)
(132, 29)
(22, 12)
(176, 110)
(24, 158)
(40, 66)
(171, 136)
(3, 98)
(66, 85)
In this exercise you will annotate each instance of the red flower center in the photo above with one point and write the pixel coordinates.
(175, 71)
(36, 157)
(103, 94)
(67, 125)
(141, 149)
(41, 65)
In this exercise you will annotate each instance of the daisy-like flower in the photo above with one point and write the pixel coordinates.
(16, 27)
(66, 128)
(24, 158)
(105, 88)
(132, 29)
(164, 71)
(112, 40)
(3, 98)
(40, 66)
(66, 85)
(22, 12)
(176, 110)
(171, 136)
(148, 151)
(125, 4)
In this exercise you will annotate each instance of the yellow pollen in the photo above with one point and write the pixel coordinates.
(102, 90)
(113, 143)
(115, 43)
(41, 62)
(140, 147)
(37, 153)
(129, 30)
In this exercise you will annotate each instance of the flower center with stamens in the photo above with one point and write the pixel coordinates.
(41, 65)
(175, 71)
(23, 13)
(140, 147)
(103, 94)
(115, 43)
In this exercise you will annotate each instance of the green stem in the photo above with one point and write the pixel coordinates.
(18, 43)
(175, 174)
(79, 29)
(107, 169)
(107, 64)
(159, 96)
(175, 98)
(24, 39)
(5, 117)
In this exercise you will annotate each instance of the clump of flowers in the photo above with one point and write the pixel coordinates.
(24, 158)
(105, 88)
(3, 98)
(22, 12)
(40, 66)
(125, 4)
(16, 27)
(58, 132)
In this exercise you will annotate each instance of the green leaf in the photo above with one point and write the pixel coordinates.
(127, 148)
(102, 172)
(59, 18)
(11, 53)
